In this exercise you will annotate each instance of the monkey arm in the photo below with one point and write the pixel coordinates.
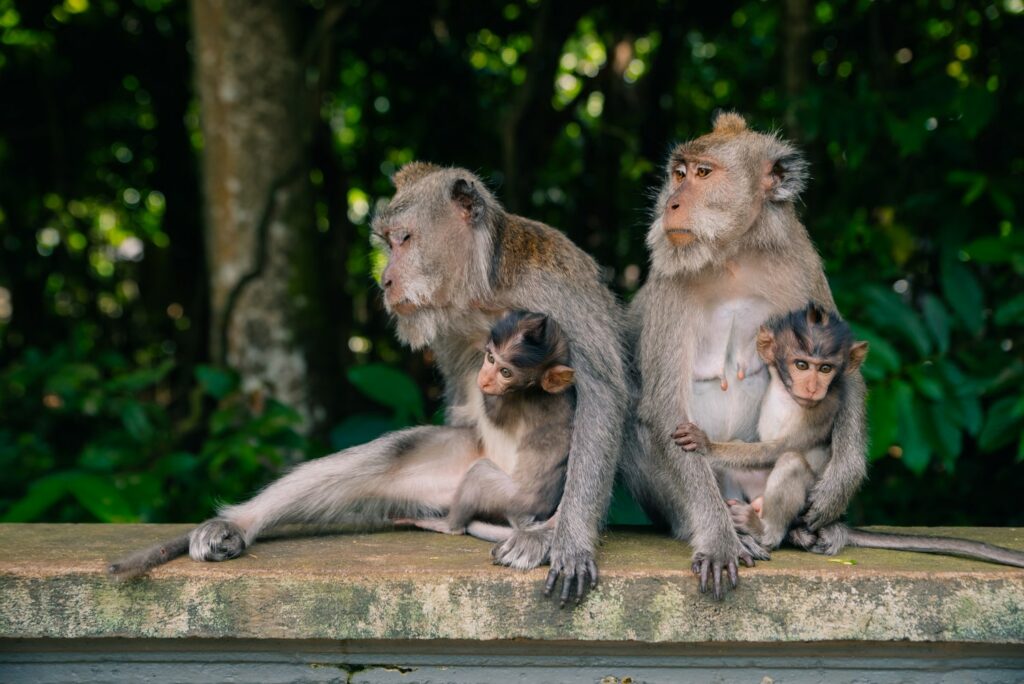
(847, 467)
(747, 455)
(589, 316)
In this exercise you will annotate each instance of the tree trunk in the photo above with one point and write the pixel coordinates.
(258, 198)
(795, 59)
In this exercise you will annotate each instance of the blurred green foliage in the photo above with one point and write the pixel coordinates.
(909, 112)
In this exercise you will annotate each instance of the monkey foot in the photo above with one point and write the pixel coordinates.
(754, 548)
(524, 549)
(745, 518)
(216, 540)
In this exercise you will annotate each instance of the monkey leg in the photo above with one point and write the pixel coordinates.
(684, 491)
(486, 489)
(410, 473)
(785, 496)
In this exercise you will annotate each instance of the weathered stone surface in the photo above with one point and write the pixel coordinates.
(418, 585)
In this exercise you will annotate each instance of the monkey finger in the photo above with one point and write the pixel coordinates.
(705, 568)
(592, 569)
(695, 567)
(581, 585)
(747, 559)
(716, 576)
(549, 585)
(734, 574)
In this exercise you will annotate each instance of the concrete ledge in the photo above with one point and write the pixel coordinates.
(417, 585)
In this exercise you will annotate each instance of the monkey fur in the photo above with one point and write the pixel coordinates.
(810, 353)
(456, 261)
(526, 381)
(728, 252)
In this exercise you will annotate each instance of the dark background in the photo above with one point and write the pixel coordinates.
(124, 390)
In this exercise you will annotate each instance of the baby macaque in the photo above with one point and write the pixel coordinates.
(524, 432)
(809, 353)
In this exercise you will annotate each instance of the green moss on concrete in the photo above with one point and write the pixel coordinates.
(417, 585)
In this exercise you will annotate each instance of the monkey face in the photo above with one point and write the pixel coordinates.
(496, 377)
(437, 242)
(810, 378)
(715, 191)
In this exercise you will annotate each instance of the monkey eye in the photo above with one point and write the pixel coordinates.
(800, 364)
(825, 368)
(490, 357)
(505, 373)
(679, 172)
(703, 171)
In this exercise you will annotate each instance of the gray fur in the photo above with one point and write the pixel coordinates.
(456, 261)
(693, 324)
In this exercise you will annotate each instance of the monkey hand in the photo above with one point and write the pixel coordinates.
(577, 570)
(216, 540)
(691, 438)
(828, 503)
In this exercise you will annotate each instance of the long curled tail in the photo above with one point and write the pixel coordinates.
(951, 546)
(141, 562)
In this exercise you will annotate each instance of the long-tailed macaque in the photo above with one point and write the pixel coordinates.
(727, 253)
(810, 354)
(525, 426)
(456, 260)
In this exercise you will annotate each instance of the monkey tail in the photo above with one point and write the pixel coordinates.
(141, 562)
(951, 546)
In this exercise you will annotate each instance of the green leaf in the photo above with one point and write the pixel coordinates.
(962, 291)
(937, 318)
(177, 464)
(101, 498)
(926, 382)
(624, 510)
(887, 310)
(138, 380)
(71, 377)
(217, 382)
(883, 358)
(360, 428)
(42, 494)
(1011, 311)
(1001, 425)
(390, 387)
(917, 452)
(136, 421)
(944, 432)
(883, 421)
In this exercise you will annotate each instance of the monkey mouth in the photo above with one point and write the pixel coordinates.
(806, 402)
(680, 237)
(403, 307)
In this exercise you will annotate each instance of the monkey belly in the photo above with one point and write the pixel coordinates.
(732, 413)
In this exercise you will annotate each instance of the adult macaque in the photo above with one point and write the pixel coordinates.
(727, 253)
(525, 427)
(810, 354)
(456, 259)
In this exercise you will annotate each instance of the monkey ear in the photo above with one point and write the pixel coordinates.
(858, 351)
(786, 175)
(766, 345)
(468, 201)
(412, 172)
(557, 379)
